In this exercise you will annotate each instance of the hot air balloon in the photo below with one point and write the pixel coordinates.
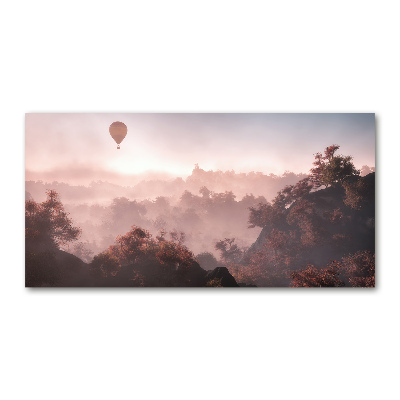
(118, 131)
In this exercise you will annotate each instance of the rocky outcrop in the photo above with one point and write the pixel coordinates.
(221, 275)
(57, 268)
(354, 232)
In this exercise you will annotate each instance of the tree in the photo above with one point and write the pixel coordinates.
(314, 277)
(187, 199)
(304, 215)
(105, 265)
(330, 169)
(277, 240)
(47, 228)
(138, 245)
(132, 246)
(265, 214)
(205, 192)
(161, 203)
(356, 193)
(291, 193)
(273, 213)
(359, 268)
(269, 265)
(124, 213)
(230, 251)
(174, 255)
(336, 216)
(47, 224)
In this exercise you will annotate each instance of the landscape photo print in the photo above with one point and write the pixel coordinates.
(199, 200)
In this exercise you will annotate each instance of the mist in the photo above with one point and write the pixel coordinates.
(204, 207)
(172, 179)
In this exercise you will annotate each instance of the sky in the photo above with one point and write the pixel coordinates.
(78, 147)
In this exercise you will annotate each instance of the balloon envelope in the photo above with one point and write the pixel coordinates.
(118, 131)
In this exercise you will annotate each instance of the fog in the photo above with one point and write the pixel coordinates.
(206, 206)
(173, 143)
(106, 191)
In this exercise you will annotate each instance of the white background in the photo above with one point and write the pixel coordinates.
(231, 56)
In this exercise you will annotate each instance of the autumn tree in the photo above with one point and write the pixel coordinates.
(104, 265)
(47, 224)
(359, 268)
(336, 216)
(330, 169)
(137, 247)
(269, 265)
(175, 254)
(132, 246)
(303, 215)
(277, 240)
(315, 277)
(356, 192)
(47, 228)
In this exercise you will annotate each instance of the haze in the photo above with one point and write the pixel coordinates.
(78, 149)
(191, 173)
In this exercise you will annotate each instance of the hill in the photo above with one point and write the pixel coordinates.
(317, 229)
(57, 268)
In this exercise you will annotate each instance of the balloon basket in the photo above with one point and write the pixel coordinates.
(118, 147)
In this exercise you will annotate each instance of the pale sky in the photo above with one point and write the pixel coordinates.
(80, 144)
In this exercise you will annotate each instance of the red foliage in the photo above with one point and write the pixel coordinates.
(174, 253)
(137, 245)
(330, 151)
(314, 277)
(336, 216)
(105, 265)
(359, 268)
(132, 246)
(277, 239)
(355, 193)
(303, 214)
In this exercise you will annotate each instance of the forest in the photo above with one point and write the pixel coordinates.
(212, 229)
